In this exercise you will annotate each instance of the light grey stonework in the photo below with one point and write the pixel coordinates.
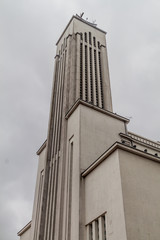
(95, 180)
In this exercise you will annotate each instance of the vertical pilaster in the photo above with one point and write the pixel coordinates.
(106, 80)
(101, 228)
(78, 66)
(72, 90)
(98, 81)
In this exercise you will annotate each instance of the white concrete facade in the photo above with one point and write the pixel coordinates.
(95, 180)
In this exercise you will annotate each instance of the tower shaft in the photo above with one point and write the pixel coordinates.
(81, 73)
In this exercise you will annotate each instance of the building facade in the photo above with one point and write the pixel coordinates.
(95, 180)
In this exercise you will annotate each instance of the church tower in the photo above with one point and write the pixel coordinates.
(80, 77)
(85, 188)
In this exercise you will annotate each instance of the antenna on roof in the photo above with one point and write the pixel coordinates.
(81, 14)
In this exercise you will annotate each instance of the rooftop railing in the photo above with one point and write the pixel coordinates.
(144, 140)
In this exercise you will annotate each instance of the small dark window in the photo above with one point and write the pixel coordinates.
(94, 41)
(85, 37)
(90, 42)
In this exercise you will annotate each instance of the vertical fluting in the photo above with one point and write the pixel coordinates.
(44, 206)
(79, 73)
(96, 77)
(91, 73)
(86, 74)
(98, 81)
(78, 39)
(81, 70)
(38, 206)
(55, 132)
(100, 76)
(58, 148)
(107, 99)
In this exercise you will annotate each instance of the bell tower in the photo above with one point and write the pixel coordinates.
(80, 74)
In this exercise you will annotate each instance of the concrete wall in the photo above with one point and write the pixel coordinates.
(38, 193)
(98, 132)
(26, 235)
(141, 193)
(89, 131)
(72, 196)
(103, 193)
(78, 26)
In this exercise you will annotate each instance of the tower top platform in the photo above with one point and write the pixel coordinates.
(76, 17)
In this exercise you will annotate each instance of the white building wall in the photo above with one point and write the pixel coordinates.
(140, 185)
(98, 132)
(103, 193)
(89, 131)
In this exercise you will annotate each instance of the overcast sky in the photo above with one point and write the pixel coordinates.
(28, 33)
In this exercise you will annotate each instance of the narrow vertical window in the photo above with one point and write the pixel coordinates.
(96, 78)
(81, 36)
(97, 229)
(81, 70)
(91, 232)
(85, 37)
(91, 73)
(90, 41)
(104, 224)
(100, 76)
(94, 41)
(86, 73)
(98, 44)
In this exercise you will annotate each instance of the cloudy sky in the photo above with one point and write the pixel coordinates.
(28, 33)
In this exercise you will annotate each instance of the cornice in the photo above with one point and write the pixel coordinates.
(111, 114)
(42, 147)
(115, 146)
(24, 229)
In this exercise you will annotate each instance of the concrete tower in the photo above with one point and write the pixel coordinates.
(80, 75)
(85, 188)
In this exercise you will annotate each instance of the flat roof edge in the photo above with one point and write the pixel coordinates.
(80, 101)
(115, 146)
(82, 20)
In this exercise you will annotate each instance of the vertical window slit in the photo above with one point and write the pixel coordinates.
(85, 37)
(98, 44)
(96, 79)
(81, 36)
(90, 42)
(94, 41)
(104, 222)
(96, 229)
(100, 75)
(90, 232)
(86, 74)
(91, 74)
(81, 70)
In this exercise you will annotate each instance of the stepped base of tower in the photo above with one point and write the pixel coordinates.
(112, 180)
